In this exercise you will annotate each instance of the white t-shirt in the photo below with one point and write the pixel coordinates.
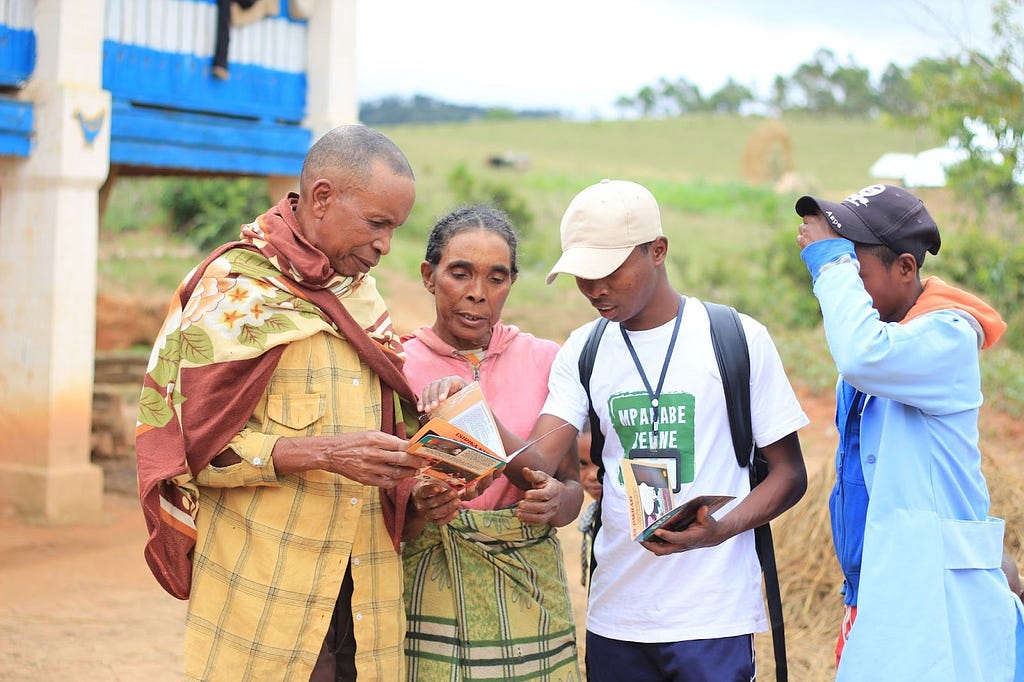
(703, 593)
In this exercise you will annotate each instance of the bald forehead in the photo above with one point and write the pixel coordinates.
(349, 154)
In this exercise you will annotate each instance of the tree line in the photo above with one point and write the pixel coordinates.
(823, 85)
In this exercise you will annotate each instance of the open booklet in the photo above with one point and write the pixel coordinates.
(652, 504)
(461, 441)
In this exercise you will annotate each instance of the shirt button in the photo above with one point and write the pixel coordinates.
(355, 562)
(257, 461)
(871, 459)
(355, 382)
(359, 616)
(354, 500)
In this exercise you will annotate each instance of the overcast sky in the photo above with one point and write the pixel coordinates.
(579, 56)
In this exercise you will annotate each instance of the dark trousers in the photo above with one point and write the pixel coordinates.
(725, 659)
(220, 47)
(337, 659)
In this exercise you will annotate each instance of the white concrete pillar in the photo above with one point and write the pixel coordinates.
(48, 249)
(331, 74)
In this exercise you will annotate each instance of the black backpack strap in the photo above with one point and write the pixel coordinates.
(733, 356)
(730, 344)
(586, 365)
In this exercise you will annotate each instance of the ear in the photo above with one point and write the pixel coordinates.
(659, 250)
(906, 267)
(320, 193)
(427, 273)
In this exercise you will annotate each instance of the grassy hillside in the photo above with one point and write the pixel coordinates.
(719, 225)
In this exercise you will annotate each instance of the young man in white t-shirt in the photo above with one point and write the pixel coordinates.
(685, 605)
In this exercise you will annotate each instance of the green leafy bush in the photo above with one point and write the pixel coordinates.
(210, 211)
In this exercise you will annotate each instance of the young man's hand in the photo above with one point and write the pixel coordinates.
(815, 228)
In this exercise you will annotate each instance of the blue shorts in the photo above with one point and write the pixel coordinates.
(725, 659)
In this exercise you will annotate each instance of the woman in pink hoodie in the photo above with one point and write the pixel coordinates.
(486, 591)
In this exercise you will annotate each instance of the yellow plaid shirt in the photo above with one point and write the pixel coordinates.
(272, 551)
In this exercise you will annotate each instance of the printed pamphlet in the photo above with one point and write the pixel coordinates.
(461, 441)
(651, 501)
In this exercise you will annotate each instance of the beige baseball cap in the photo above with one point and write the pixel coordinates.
(602, 225)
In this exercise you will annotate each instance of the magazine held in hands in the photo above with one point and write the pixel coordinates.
(651, 501)
(461, 440)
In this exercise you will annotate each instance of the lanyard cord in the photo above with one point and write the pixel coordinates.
(664, 367)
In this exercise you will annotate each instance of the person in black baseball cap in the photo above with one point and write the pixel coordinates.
(910, 501)
(879, 214)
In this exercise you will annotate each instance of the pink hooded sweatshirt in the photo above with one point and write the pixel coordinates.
(513, 376)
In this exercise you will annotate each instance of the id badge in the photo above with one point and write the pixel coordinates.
(671, 457)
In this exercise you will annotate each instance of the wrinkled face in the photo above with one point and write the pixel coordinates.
(353, 225)
(623, 295)
(588, 470)
(883, 285)
(470, 285)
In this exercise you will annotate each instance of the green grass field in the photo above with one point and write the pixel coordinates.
(719, 224)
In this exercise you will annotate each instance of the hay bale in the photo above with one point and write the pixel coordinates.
(768, 154)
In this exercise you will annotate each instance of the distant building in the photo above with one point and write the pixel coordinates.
(925, 169)
(928, 168)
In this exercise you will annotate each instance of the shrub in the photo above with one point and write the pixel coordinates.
(210, 211)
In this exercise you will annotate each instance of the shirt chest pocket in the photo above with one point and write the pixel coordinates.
(295, 414)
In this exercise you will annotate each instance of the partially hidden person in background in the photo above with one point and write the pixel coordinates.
(271, 428)
(685, 605)
(1009, 566)
(485, 583)
(587, 522)
(924, 593)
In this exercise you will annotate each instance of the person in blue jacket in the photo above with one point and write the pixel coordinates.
(926, 599)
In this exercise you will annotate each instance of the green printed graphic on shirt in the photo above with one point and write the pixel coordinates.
(632, 418)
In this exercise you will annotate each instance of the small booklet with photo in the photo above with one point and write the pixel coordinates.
(652, 504)
(461, 441)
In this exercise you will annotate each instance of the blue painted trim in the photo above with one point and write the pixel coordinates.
(160, 139)
(16, 123)
(17, 55)
(182, 81)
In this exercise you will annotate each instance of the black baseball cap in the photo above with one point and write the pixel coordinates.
(879, 214)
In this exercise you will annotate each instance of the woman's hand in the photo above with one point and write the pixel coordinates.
(436, 391)
(435, 501)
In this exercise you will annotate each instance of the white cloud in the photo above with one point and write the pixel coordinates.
(580, 55)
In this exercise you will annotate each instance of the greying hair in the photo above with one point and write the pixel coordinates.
(350, 151)
(472, 217)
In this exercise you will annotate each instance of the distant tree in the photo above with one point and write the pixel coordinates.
(857, 96)
(730, 98)
(625, 104)
(646, 99)
(812, 81)
(895, 94)
(977, 100)
(779, 99)
(680, 96)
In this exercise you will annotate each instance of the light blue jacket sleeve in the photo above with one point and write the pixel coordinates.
(930, 362)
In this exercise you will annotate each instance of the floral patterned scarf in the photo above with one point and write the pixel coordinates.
(225, 330)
